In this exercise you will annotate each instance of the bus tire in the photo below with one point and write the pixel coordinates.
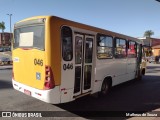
(106, 85)
(141, 74)
(143, 71)
(138, 75)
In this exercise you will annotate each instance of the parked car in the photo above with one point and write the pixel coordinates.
(1, 49)
(152, 59)
(5, 60)
(147, 59)
(157, 59)
(5, 49)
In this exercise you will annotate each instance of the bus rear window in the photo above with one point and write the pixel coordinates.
(29, 37)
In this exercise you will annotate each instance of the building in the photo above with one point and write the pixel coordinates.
(151, 46)
(155, 46)
(146, 41)
(155, 41)
(5, 39)
(156, 50)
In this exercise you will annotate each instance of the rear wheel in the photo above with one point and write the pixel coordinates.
(139, 75)
(143, 71)
(106, 85)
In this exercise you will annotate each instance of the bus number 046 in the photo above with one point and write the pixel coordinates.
(38, 62)
(68, 66)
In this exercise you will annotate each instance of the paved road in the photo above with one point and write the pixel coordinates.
(131, 96)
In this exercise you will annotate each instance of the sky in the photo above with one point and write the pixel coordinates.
(129, 17)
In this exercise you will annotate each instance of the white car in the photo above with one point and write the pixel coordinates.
(151, 59)
(4, 60)
(1, 50)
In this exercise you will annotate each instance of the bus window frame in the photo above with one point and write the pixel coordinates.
(135, 48)
(32, 47)
(62, 48)
(115, 47)
(97, 36)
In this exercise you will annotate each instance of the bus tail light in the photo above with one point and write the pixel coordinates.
(49, 78)
(12, 75)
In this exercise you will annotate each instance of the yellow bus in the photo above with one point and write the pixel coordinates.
(58, 60)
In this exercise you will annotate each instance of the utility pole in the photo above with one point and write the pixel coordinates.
(10, 15)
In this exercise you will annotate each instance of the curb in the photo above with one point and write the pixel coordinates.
(5, 67)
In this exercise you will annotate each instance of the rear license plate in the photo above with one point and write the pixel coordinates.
(27, 92)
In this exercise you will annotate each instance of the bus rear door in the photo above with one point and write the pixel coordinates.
(83, 64)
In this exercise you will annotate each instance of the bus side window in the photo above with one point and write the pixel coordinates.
(104, 47)
(132, 50)
(67, 49)
(121, 48)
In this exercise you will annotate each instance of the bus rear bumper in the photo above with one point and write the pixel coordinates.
(48, 96)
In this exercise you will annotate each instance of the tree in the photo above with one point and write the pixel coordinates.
(148, 33)
(2, 26)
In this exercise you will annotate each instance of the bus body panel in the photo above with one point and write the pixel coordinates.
(116, 69)
(49, 96)
(31, 62)
(29, 57)
(27, 69)
(54, 50)
(131, 68)
(68, 68)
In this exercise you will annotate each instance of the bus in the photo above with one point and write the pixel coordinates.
(57, 60)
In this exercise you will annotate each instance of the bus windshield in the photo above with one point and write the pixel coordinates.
(29, 37)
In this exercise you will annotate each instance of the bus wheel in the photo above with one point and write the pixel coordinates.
(106, 85)
(143, 71)
(139, 77)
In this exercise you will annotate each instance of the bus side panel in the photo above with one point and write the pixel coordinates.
(63, 78)
(131, 68)
(104, 68)
(55, 51)
(116, 68)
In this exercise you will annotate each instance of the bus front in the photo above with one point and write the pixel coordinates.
(32, 72)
